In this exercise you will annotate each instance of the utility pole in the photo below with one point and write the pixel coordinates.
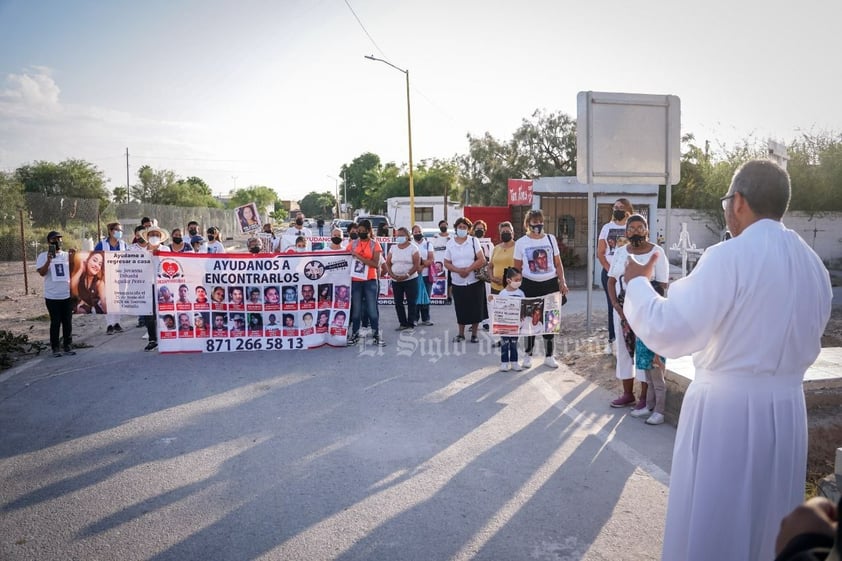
(128, 190)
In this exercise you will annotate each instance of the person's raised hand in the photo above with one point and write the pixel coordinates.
(815, 516)
(635, 269)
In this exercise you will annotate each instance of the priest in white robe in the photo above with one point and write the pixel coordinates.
(752, 313)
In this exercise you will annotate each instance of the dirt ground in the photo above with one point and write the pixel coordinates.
(585, 354)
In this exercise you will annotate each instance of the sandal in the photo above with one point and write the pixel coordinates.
(458, 338)
(474, 339)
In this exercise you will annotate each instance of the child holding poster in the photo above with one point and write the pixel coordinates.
(508, 345)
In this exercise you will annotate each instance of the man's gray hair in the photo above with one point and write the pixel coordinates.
(765, 186)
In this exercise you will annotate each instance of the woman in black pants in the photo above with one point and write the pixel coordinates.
(538, 258)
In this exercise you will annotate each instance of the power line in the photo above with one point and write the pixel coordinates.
(367, 34)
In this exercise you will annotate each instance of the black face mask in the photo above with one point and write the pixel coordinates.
(536, 228)
(193, 232)
(353, 235)
(299, 222)
(619, 214)
(363, 235)
(210, 237)
(177, 240)
(479, 233)
(336, 240)
(443, 229)
(254, 249)
(637, 240)
(506, 236)
(417, 237)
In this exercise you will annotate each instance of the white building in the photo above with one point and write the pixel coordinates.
(428, 211)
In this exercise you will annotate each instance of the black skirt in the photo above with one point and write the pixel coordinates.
(469, 303)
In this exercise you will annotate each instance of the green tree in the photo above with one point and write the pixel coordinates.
(815, 169)
(264, 197)
(152, 184)
(11, 198)
(163, 187)
(318, 205)
(70, 178)
(358, 177)
(120, 195)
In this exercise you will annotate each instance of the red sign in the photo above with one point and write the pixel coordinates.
(520, 192)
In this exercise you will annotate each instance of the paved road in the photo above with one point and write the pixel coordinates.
(421, 450)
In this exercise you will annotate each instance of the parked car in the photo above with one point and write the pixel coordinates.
(342, 225)
(376, 220)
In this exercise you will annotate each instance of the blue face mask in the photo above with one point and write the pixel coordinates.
(118, 235)
(462, 233)
(400, 239)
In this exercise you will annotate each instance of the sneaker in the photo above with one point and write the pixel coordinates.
(57, 353)
(117, 328)
(516, 367)
(609, 348)
(151, 346)
(550, 362)
(527, 361)
(353, 339)
(486, 327)
(655, 419)
(428, 323)
(69, 352)
(145, 336)
(505, 367)
(640, 412)
(109, 330)
(378, 342)
(623, 401)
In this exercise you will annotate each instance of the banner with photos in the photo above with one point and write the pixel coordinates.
(111, 282)
(437, 278)
(248, 302)
(520, 317)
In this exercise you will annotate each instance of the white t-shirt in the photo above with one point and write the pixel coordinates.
(216, 247)
(424, 248)
(57, 279)
(462, 255)
(618, 266)
(537, 257)
(611, 233)
(402, 259)
(440, 242)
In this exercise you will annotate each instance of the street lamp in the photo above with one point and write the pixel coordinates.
(409, 134)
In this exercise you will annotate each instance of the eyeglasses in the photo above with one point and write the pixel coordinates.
(725, 198)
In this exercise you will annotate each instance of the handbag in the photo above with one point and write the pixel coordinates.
(423, 298)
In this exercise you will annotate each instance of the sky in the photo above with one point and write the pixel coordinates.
(279, 93)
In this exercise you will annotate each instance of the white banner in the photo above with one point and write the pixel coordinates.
(516, 317)
(243, 302)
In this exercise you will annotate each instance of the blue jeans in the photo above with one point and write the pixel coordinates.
(410, 290)
(370, 289)
(508, 349)
(610, 307)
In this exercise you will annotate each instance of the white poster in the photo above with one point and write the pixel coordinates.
(243, 302)
(128, 282)
(515, 317)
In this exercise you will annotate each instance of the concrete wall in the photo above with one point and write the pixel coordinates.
(823, 233)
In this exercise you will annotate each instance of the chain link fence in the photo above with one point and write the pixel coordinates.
(82, 222)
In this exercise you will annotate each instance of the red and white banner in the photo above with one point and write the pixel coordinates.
(520, 192)
(517, 317)
(249, 302)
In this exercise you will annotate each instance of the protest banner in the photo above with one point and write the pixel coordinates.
(438, 291)
(128, 282)
(514, 317)
(242, 302)
(248, 219)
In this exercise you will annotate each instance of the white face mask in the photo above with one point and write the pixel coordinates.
(462, 233)
(153, 240)
(515, 284)
(400, 239)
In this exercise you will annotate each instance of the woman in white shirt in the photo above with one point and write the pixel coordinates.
(427, 254)
(538, 258)
(612, 233)
(462, 257)
(403, 264)
(214, 243)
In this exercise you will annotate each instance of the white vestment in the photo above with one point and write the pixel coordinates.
(752, 313)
